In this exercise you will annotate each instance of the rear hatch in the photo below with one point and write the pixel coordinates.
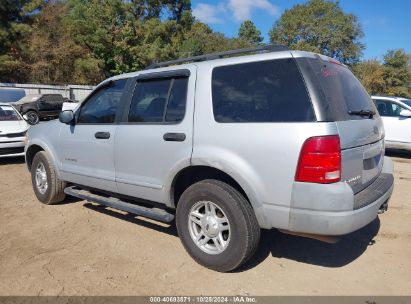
(339, 97)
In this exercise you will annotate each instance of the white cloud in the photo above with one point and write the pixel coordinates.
(378, 21)
(241, 9)
(209, 13)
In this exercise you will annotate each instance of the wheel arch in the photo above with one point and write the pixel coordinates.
(30, 153)
(36, 147)
(192, 174)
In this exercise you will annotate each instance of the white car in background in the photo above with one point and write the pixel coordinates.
(396, 115)
(13, 130)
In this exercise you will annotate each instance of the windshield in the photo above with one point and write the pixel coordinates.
(407, 102)
(8, 113)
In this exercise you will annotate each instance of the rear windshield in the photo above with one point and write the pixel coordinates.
(337, 90)
(7, 113)
(264, 91)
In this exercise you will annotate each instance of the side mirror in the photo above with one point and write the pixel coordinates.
(405, 113)
(66, 117)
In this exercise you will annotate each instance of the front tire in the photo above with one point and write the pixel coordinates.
(217, 225)
(33, 117)
(47, 187)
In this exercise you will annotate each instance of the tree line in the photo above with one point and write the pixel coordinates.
(86, 41)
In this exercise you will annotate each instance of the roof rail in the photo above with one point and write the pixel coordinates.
(212, 56)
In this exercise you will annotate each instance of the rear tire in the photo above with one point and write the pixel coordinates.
(217, 225)
(47, 187)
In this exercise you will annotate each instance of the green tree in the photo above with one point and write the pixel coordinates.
(53, 55)
(249, 32)
(16, 16)
(371, 75)
(200, 39)
(397, 75)
(320, 26)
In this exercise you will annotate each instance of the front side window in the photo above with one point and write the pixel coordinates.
(265, 91)
(8, 113)
(388, 109)
(102, 106)
(159, 100)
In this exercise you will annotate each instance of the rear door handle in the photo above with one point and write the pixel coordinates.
(174, 137)
(102, 135)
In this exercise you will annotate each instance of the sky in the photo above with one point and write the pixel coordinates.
(386, 24)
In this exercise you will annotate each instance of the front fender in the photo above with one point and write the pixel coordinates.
(45, 136)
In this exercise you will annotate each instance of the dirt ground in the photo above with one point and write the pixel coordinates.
(78, 248)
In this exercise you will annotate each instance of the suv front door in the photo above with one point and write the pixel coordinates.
(87, 147)
(154, 141)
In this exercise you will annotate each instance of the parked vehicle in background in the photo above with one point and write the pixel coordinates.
(11, 95)
(12, 131)
(226, 146)
(396, 115)
(40, 106)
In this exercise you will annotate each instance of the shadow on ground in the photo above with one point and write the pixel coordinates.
(12, 160)
(398, 153)
(169, 229)
(314, 252)
(281, 246)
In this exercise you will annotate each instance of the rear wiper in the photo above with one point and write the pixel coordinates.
(369, 113)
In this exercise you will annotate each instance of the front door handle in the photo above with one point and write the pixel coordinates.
(174, 137)
(102, 135)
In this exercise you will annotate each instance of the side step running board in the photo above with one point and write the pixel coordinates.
(152, 213)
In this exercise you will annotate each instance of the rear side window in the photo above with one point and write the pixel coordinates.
(264, 91)
(159, 100)
(338, 90)
(52, 98)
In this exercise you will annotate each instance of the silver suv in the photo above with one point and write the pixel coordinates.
(226, 145)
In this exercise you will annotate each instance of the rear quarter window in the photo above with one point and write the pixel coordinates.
(263, 91)
(336, 90)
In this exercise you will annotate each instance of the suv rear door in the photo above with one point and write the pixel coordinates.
(338, 96)
(87, 148)
(154, 140)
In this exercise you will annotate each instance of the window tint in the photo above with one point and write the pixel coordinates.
(407, 102)
(338, 90)
(268, 91)
(52, 98)
(102, 106)
(386, 108)
(151, 98)
(7, 113)
(177, 103)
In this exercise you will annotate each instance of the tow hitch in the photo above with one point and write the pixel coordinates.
(383, 208)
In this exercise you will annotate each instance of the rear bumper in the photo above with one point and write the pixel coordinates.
(336, 223)
(334, 209)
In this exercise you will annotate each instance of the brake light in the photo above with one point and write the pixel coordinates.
(320, 160)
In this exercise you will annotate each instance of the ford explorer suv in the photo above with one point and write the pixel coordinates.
(226, 146)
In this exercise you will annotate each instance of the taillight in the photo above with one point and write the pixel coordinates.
(320, 160)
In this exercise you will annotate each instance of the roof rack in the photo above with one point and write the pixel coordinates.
(212, 56)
